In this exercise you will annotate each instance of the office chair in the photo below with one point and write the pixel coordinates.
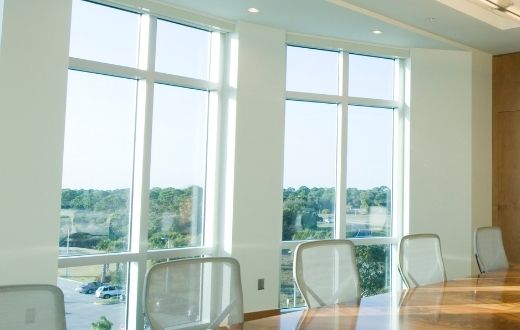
(326, 272)
(489, 249)
(195, 293)
(32, 306)
(420, 260)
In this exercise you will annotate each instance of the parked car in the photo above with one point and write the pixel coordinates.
(89, 287)
(107, 291)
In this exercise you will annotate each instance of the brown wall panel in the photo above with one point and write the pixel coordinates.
(506, 151)
(506, 82)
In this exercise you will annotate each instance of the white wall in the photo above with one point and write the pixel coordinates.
(441, 157)
(33, 73)
(1, 18)
(258, 162)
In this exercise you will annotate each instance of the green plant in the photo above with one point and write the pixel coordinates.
(102, 324)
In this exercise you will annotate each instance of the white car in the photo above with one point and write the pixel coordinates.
(107, 291)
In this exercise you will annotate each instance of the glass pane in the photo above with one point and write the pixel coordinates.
(94, 294)
(178, 166)
(374, 267)
(290, 295)
(104, 34)
(97, 164)
(312, 70)
(182, 50)
(371, 77)
(309, 170)
(369, 171)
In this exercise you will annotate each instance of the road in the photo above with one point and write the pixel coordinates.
(81, 309)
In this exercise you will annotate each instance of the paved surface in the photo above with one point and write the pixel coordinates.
(81, 309)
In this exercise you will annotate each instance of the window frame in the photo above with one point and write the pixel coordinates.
(146, 77)
(343, 101)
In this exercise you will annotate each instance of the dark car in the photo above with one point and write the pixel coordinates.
(89, 287)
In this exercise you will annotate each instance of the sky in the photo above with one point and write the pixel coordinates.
(310, 159)
(100, 115)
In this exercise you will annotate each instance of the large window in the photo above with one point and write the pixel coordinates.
(340, 150)
(140, 94)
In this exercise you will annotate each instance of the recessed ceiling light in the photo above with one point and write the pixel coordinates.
(377, 32)
(253, 10)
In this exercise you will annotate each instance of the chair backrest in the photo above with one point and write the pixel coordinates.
(326, 272)
(195, 293)
(420, 260)
(32, 306)
(489, 249)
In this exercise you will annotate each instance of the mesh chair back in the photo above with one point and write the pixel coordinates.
(196, 293)
(326, 272)
(32, 306)
(420, 260)
(489, 249)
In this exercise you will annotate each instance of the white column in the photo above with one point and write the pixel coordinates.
(33, 80)
(256, 125)
(441, 153)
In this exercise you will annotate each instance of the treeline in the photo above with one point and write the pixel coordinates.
(175, 215)
(304, 208)
(323, 199)
(100, 218)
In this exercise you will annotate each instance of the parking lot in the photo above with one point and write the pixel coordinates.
(83, 309)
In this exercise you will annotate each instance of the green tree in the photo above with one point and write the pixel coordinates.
(308, 234)
(102, 324)
(372, 262)
(169, 239)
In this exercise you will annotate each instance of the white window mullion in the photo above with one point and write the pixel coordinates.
(215, 178)
(139, 227)
(175, 80)
(399, 198)
(341, 153)
(376, 103)
(115, 70)
(313, 97)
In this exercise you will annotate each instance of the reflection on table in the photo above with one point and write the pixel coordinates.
(486, 301)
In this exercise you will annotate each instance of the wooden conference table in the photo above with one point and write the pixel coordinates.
(487, 301)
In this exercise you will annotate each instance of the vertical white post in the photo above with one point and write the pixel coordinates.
(341, 151)
(141, 180)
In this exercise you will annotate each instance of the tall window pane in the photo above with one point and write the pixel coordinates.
(94, 294)
(369, 171)
(371, 77)
(182, 50)
(312, 70)
(103, 34)
(97, 164)
(290, 295)
(309, 170)
(178, 167)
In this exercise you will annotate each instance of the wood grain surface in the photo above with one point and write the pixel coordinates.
(487, 301)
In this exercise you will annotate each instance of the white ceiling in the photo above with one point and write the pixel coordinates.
(405, 23)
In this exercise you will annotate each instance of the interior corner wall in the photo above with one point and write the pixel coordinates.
(1, 18)
(482, 112)
(33, 81)
(258, 162)
(441, 153)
